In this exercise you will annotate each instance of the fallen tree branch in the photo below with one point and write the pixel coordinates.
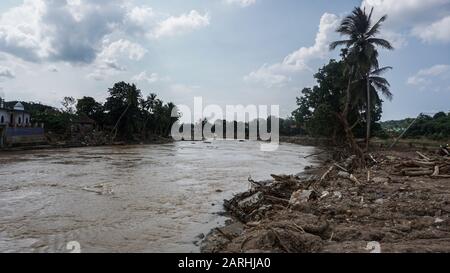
(340, 167)
(319, 153)
(423, 156)
(276, 199)
(418, 173)
(436, 171)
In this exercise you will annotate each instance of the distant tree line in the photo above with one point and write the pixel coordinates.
(127, 114)
(435, 127)
(242, 130)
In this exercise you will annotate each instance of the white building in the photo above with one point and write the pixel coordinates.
(16, 128)
(16, 117)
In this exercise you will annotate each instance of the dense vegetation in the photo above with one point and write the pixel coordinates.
(319, 106)
(346, 99)
(126, 113)
(435, 127)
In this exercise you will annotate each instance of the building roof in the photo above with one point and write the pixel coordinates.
(19, 107)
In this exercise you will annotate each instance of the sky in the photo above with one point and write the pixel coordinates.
(229, 52)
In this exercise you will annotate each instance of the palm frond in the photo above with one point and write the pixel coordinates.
(380, 42)
(381, 71)
(376, 28)
(380, 80)
(335, 44)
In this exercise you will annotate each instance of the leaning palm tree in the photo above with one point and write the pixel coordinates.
(362, 46)
(377, 85)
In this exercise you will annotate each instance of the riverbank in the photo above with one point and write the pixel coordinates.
(67, 144)
(325, 209)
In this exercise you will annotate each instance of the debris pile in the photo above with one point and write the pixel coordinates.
(436, 167)
(401, 201)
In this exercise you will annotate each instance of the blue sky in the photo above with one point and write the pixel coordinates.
(259, 52)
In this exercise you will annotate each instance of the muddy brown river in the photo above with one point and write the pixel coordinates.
(155, 198)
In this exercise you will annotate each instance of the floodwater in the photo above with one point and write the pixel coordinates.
(155, 198)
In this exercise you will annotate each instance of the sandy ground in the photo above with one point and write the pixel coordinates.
(389, 212)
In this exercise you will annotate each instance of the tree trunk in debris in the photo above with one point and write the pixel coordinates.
(356, 150)
(343, 118)
(369, 114)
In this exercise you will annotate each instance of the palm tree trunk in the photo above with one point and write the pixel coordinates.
(368, 114)
(343, 118)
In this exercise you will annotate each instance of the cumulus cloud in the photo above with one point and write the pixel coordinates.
(242, 3)
(438, 31)
(6, 73)
(20, 31)
(107, 61)
(431, 77)
(279, 74)
(73, 31)
(132, 50)
(144, 76)
(180, 24)
(58, 30)
(140, 16)
(426, 20)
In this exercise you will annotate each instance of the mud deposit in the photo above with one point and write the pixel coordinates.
(155, 198)
(389, 212)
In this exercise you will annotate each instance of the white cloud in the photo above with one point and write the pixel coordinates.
(438, 31)
(399, 11)
(6, 73)
(431, 77)
(107, 61)
(181, 24)
(132, 50)
(73, 31)
(140, 16)
(279, 74)
(396, 39)
(149, 77)
(153, 77)
(269, 76)
(426, 20)
(242, 3)
(20, 31)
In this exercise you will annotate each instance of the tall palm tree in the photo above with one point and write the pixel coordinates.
(362, 46)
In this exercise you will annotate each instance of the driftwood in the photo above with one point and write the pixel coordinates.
(435, 166)
(340, 167)
(311, 155)
(348, 176)
(373, 159)
(253, 182)
(415, 163)
(423, 156)
(417, 169)
(436, 171)
(418, 173)
(441, 176)
(276, 199)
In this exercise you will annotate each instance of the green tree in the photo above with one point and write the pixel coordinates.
(123, 109)
(362, 44)
(87, 106)
(377, 85)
